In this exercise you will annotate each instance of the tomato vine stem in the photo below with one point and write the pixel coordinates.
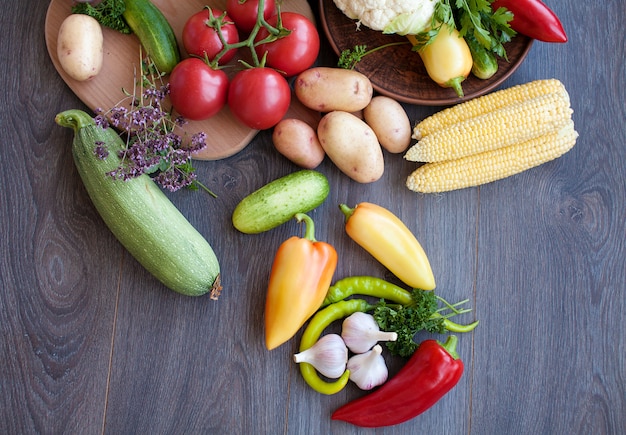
(274, 33)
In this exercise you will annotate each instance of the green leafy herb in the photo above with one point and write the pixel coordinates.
(107, 12)
(350, 57)
(491, 28)
(424, 314)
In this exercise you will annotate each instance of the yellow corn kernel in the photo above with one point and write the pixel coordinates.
(492, 165)
(484, 104)
(511, 124)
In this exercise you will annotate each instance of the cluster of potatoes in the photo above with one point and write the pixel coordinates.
(354, 129)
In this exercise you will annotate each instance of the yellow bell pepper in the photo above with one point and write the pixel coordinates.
(447, 58)
(387, 238)
(301, 274)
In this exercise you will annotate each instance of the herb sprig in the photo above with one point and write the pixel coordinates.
(107, 12)
(153, 146)
(424, 314)
(491, 28)
(350, 57)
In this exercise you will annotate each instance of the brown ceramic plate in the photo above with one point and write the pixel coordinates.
(399, 73)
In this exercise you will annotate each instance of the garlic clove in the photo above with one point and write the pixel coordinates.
(328, 355)
(368, 370)
(360, 332)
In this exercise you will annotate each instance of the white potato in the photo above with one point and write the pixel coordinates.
(326, 89)
(297, 140)
(390, 122)
(80, 46)
(352, 145)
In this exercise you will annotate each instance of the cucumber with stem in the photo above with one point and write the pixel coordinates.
(484, 62)
(140, 215)
(278, 201)
(154, 32)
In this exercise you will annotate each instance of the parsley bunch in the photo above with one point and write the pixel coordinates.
(107, 12)
(424, 314)
(491, 28)
(152, 145)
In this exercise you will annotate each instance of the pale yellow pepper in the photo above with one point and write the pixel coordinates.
(387, 238)
(447, 58)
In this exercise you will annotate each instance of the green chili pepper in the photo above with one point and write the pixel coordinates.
(318, 323)
(382, 289)
(457, 327)
(367, 286)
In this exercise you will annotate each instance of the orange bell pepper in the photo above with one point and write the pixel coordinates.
(387, 238)
(301, 274)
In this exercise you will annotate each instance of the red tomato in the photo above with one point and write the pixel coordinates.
(259, 97)
(295, 52)
(200, 38)
(197, 91)
(244, 12)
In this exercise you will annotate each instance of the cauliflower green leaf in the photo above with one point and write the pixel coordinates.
(411, 23)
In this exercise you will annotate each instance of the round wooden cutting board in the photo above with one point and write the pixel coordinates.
(225, 135)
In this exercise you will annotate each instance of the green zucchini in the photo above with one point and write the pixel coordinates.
(139, 214)
(154, 32)
(280, 200)
(484, 62)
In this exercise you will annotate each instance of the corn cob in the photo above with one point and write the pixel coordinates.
(511, 124)
(492, 165)
(484, 104)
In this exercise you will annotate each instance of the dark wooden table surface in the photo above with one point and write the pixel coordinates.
(91, 343)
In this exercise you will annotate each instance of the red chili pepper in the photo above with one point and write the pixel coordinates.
(432, 371)
(534, 19)
(301, 274)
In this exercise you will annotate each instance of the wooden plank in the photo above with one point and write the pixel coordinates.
(555, 356)
(91, 343)
(58, 296)
(208, 350)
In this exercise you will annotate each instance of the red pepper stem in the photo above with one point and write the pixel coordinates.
(450, 346)
(309, 233)
(347, 211)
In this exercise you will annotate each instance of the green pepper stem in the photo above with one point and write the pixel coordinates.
(450, 346)
(347, 211)
(455, 84)
(309, 232)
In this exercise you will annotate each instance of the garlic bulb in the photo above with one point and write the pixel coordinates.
(329, 356)
(360, 332)
(368, 370)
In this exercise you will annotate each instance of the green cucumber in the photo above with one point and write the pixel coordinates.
(154, 32)
(139, 214)
(279, 201)
(484, 62)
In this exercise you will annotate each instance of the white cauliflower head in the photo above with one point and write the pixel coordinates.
(390, 16)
